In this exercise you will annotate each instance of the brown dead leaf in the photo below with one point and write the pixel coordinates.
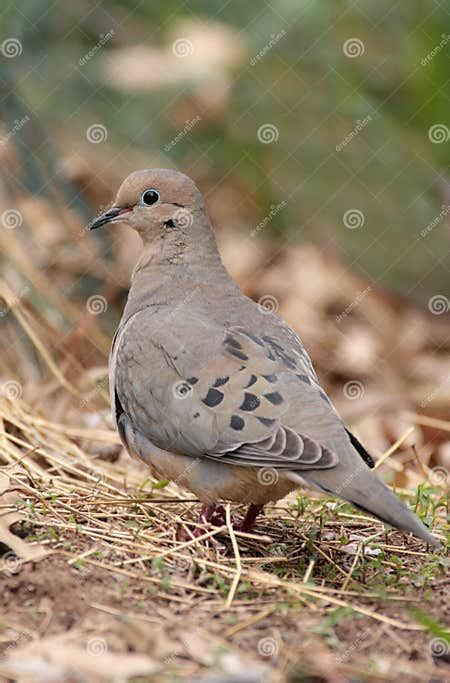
(197, 53)
(21, 551)
(59, 658)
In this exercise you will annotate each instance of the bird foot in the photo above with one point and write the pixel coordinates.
(216, 516)
(209, 514)
(250, 517)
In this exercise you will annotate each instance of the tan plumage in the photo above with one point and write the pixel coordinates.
(209, 389)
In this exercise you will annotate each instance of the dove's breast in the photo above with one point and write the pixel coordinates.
(210, 481)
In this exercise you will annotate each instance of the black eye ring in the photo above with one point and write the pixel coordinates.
(149, 197)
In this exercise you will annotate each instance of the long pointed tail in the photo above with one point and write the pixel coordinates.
(366, 490)
(383, 503)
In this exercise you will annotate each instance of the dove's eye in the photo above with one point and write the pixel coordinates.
(149, 197)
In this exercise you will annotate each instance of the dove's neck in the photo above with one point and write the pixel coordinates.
(173, 267)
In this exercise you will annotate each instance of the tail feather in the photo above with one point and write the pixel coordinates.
(383, 503)
(367, 491)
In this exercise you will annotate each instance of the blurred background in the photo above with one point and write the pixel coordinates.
(319, 134)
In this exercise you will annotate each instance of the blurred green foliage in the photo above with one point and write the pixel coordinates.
(305, 86)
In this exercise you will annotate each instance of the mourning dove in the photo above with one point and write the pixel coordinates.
(211, 390)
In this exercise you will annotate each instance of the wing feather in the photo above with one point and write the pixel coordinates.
(228, 404)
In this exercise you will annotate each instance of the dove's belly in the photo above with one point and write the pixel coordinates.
(210, 481)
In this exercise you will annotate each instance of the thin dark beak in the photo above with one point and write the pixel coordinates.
(107, 217)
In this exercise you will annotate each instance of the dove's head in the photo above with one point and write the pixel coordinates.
(154, 201)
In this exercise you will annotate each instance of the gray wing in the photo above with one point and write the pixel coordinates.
(194, 389)
(224, 395)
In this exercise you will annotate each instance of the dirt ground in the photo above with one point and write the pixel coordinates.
(98, 584)
(102, 605)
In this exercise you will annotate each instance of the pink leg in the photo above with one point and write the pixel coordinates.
(206, 513)
(211, 513)
(216, 515)
(250, 517)
(206, 516)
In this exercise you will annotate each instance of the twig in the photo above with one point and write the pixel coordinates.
(237, 556)
(394, 447)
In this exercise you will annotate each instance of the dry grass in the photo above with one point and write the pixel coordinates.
(101, 577)
(247, 597)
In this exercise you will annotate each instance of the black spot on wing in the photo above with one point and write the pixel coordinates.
(251, 381)
(289, 361)
(238, 354)
(253, 337)
(220, 381)
(274, 397)
(192, 380)
(250, 402)
(266, 421)
(361, 450)
(212, 398)
(303, 378)
(237, 423)
(270, 378)
(273, 343)
(118, 406)
(325, 397)
(231, 341)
